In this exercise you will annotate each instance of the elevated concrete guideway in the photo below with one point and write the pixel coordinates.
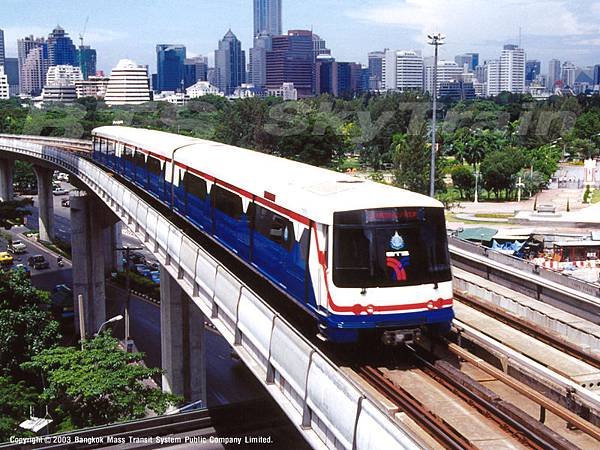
(329, 409)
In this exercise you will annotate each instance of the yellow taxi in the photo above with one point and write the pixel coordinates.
(6, 259)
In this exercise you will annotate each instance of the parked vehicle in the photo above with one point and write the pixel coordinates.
(62, 302)
(59, 191)
(16, 247)
(62, 177)
(154, 276)
(65, 202)
(38, 262)
(6, 259)
(142, 270)
(137, 258)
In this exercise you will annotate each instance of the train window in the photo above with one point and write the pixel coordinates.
(153, 166)
(226, 201)
(195, 185)
(304, 244)
(139, 159)
(128, 153)
(110, 147)
(273, 226)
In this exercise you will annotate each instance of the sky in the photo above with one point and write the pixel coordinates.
(562, 29)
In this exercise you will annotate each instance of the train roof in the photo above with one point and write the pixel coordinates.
(310, 191)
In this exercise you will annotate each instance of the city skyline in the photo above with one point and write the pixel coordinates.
(564, 30)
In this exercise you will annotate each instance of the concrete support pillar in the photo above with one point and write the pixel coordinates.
(45, 203)
(113, 259)
(6, 179)
(182, 342)
(87, 248)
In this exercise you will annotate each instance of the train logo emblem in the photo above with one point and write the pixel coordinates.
(396, 242)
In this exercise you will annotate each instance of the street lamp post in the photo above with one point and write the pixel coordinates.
(436, 40)
(127, 251)
(111, 320)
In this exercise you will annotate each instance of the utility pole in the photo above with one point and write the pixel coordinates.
(127, 251)
(436, 40)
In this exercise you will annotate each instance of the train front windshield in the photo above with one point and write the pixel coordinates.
(390, 247)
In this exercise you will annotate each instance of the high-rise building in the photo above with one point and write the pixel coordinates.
(596, 75)
(230, 64)
(11, 69)
(63, 73)
(512, 69)
(170, 61)
(409, 71)
(376, 70)
(466, 60)
(292, 60)
(258, 59)
(532, 70)
(2, 48)
(326, 75)
(61, 50)
(128, 84)
(457, 90)
(567, 73)
(553, 73)
(94, 86)
(320, 46)
(33, 65)
(4, 88)
(341, 79)
(492, 77)
(86, 60)
(446, 71)
(195, 69)
(267, 17)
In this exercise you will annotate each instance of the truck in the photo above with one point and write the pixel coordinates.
(16, 247)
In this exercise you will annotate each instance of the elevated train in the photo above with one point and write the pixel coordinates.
(358, 256)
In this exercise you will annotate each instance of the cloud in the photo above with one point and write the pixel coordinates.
(473, 21)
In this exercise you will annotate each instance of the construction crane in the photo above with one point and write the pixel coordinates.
(82, 34)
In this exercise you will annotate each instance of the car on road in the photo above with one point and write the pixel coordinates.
(142, 270)
(154, 276)
(59, 191)
(137, 258)
(62, 302)
(16, 247)
(38, 262)
(62, 177)
(65, 202)
(6, 259)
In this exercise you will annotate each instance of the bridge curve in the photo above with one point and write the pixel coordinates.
(327, 406)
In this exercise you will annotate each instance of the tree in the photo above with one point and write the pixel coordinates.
(499, 169)
(98, 384)
(463, 179)
(15, 400)
(12, 211)
(26, 326)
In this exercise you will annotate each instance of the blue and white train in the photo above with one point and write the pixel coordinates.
(357, 255)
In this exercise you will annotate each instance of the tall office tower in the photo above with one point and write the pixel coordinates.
(33, 64)
(258, 59)
(292, 60)
(480, 73)
(267, 17)
(474, 61)
(326, 75)
(2, 49)
(446, 71)
(170, 61)
(492, 78)
(4, 88)
(512, 69)
(230, 64)
(596, 73)
(320, 46)
(376, 70)
(11, 68)
(567, 73)
(553, 73)
(465, 60)
(61, 50)
(128, 84)
(409, 71)
(341, 79)
(86, 60)
(532, 70)
(195, 69)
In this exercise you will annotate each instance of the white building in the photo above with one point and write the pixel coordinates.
(568, 71)
(492, 80)
(512, 69)
(128, 84)
(202, 88)
(446, 71)
(92, 87)
(60, 91)
(246, 90)
(4, 89)
(287, 91)
(402, 70)
(66, 73)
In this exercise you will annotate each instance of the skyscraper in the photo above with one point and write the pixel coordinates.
(471, 60)
(532, 70)
(267, 17)
(446, 71)
(376, 70)
(195, 69)
(128, 84)
(11, 68)
(61, 50)
(230, 64)
(553, 73)
(170, 61)
(320, 46)
(86, 60)
(596, 73)
(4, 90)
(492, 77)
(2, 51)
(512, 69)
(258, 59)
(292, 60)
(33, 64)
(567, 73)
